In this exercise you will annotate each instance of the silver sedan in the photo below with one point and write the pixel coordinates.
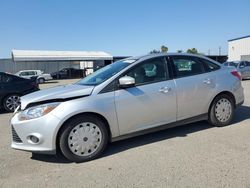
(130, 97)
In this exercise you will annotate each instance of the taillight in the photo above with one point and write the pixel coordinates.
(236, 74)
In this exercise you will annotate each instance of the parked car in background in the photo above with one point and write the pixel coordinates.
(12, 88)
(243, 67)
(124, 99)
(68, 73)
(40, 76)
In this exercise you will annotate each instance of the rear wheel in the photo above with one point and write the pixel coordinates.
(41, 80)
(221, 111)
(11, 102)
(83, 138)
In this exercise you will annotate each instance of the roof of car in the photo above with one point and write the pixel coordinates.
(28, 70)
(166, 54)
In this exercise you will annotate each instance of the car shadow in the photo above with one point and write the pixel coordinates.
(2, 111)
(241, 114)
(58, 158)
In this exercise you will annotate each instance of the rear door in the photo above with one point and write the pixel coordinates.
(152, 102)
(194, 86)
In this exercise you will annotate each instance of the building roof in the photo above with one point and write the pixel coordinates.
(239, 38)
(35, 55)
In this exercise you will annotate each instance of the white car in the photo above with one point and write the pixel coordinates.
(41, 77)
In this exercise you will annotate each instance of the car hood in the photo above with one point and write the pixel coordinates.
(59, 93)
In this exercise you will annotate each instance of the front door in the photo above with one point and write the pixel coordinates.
(152, 102)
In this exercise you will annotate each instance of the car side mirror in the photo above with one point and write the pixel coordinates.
(126, 82)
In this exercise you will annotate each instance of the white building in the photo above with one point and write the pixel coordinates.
(51, 61)
(239, 49)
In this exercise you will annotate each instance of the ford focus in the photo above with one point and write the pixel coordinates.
(130, 97)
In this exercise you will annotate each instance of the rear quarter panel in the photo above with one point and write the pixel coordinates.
(225, 81)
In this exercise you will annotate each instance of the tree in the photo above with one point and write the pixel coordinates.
(164, 48)
(179, 51)
(192, 51)
(154, 51)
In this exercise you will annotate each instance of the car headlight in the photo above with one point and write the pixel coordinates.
(37, 111)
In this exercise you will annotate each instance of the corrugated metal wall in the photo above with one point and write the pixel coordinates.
(7, 65)
(238, 48)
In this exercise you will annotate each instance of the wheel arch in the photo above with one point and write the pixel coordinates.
(83, 114)
(40, 77)
(228, 93)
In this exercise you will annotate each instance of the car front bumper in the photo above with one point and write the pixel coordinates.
(44, 129)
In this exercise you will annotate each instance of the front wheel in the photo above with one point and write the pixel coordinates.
(221, 111)
(11, 102)
(83, 138)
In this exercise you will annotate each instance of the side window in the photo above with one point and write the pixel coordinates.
(150, 71)
(186, 66)
(247, 63)
(31, 73)
(208, 65)
(23, 74)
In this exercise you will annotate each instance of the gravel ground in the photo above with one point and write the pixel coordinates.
(195, 155)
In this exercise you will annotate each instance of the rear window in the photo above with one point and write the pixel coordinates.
(209, 66)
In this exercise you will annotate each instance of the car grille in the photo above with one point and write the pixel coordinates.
(15, 136)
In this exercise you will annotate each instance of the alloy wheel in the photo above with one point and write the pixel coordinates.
(12, 102)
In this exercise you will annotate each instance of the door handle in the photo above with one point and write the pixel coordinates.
(207, 81)
(164, 89)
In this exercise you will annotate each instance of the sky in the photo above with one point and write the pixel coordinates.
(128, 27)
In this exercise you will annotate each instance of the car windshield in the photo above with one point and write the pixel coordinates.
(105, 73)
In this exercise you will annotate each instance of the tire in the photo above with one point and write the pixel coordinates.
(83, 138)
(58, 76)
(41, 80)
(221, 111)
(11, 102)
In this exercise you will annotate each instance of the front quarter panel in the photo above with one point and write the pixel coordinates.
(102, 104)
